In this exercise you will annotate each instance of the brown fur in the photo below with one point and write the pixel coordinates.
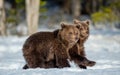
(78, 49)
(35, 53)
(84, 34)
(44, 50)
(74, 54)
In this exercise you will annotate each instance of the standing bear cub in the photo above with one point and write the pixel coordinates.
(46, 50)
(78, 48)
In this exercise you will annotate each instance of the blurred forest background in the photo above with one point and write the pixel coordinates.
(23, 17)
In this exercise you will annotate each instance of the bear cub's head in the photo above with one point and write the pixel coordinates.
(69, 33)
(84, 28)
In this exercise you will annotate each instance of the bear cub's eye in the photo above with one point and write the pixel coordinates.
(70, 33)
(81, 28)
(76, 33)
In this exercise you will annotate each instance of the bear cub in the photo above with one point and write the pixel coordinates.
(45, 50)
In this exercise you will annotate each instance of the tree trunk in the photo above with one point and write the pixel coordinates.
(96, 5)
(2, 19)
(32, 9)
(76, 8)
(66, 6)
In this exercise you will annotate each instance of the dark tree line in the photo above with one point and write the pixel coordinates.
(19, 10)
(85, 6)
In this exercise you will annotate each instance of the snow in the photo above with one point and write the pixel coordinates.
(103, 46)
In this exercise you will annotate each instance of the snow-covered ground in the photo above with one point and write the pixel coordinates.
(102, 46)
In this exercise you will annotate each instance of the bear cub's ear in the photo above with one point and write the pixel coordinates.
(87, 22)
(76, 21)
(63, 25)
(78, 26)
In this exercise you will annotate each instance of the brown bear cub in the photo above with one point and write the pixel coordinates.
(45, 50)
(49, 36)
(84, 34)
(78, 49)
